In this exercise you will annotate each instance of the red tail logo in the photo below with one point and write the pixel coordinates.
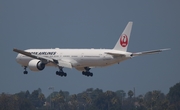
(124, 40)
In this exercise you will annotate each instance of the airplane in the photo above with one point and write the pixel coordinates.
(80, 59)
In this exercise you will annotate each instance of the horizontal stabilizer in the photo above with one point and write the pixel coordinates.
(148, 52)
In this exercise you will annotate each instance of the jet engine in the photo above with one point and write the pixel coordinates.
(36, 65)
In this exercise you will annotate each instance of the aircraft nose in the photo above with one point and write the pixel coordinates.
(18, 58)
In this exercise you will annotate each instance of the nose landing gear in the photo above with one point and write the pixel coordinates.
(25, 71)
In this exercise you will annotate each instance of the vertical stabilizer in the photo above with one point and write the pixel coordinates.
(123, 41)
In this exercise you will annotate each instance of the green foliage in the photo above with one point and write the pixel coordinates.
(92, 99)
(174, 96)
(17, 101)
(174, 93)
(121, 94)
(130, 93)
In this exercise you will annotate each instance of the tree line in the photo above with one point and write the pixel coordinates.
(92, 99)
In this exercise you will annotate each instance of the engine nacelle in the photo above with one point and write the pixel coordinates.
(36, 65)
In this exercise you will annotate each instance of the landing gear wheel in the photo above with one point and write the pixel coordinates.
(87, 73)
(57, 72)
(91, 74)
(65, 74)
(61, 73)
(25, 72)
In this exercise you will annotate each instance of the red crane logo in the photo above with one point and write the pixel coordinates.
(124, 40)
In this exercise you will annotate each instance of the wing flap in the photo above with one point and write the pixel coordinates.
(64, 64)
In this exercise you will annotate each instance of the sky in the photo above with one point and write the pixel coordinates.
(91, 24)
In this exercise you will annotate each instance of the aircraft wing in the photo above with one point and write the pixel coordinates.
(60, 63)
(148, 52)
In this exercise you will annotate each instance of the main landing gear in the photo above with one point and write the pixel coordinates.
(25, 71)
(61, 73)
(87, 72)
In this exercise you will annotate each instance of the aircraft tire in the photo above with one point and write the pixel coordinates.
(25, 72)
(87, 74)
(57, 72)
(61, 74)
(65, 74)
(91, 74)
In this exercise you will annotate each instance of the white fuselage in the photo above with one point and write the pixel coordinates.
(79, 58)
